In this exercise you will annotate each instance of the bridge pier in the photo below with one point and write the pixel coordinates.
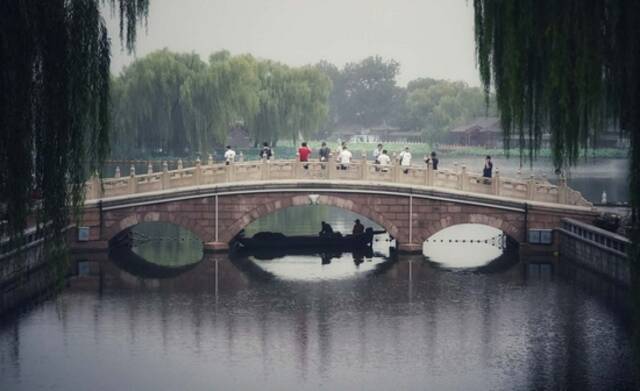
(409, 248)
(216, 247)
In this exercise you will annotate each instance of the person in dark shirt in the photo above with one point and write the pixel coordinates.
(358, 228)
(326, 230)
(324, 152)
(265, 152)
(433, 160)
(488, 167)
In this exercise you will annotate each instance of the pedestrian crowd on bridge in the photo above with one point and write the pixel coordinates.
(381, 157)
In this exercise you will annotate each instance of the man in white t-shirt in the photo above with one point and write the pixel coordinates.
(376, 153)
(405, 159)
(344, 158)
(384, 160)
(229, 155)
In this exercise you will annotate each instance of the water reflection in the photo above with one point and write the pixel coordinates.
(156, 250)
(465, 246)
(414, 326)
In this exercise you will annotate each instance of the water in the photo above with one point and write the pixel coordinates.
(296, 323)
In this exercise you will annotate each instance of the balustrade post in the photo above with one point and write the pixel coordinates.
(463, 183)
(495, 183)
(133, 182)
(230, 171)
(563, 190)
(429, 175)
(149, 168)
(210, 160)
(363, 167)
(396, 171)
(198, 172)
(117, 174)
(240, 157)
(297, 167)
(96, 188)
(331, 166)
(531, 188)
(180, 167)
(165, 175)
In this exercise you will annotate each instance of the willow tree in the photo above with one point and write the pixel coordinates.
(293, 102)
(221, 94)
(149, 105)
(54, 104)
(571, 67)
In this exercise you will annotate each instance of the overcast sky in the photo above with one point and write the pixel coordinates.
(429, 38)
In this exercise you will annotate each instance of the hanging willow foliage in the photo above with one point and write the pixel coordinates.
(569, 67)
(54, 105)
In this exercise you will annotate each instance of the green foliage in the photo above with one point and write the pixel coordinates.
(437, 106)
(54, 105)
(177, 103)
(365, 94)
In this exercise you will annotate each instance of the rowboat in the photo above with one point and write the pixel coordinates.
(272, 240)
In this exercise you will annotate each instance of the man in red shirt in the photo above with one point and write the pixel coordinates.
(304, 151)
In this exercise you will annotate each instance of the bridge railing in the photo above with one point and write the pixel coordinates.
(457, 178)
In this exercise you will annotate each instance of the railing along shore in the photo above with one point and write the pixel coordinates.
(458, 178)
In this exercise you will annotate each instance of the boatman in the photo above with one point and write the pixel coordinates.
(358, 228)
(326, 230)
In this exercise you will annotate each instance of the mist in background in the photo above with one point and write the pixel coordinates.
(431, 38)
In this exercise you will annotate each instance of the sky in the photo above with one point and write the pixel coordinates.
(429, 38)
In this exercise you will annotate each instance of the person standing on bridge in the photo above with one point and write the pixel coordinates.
(405, 160)
(376, 153)
(344, 158)
(229, 155)
(266, 152)
(303, 154)
(488, 167)
(324, 152)
(384, 160)
(433, 160)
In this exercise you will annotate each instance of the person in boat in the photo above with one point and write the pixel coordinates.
(358, 228)
(326, 230)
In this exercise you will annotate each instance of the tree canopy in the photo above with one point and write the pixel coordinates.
(177, 102)
(54, 103)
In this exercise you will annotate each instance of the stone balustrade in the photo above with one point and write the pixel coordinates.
(211, 173)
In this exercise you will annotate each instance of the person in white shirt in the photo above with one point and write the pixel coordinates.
(376, 153)
(405, 159)
(229, 155)
(344, 158)
(384, 160)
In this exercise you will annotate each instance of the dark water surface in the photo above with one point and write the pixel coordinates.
(404, 325)
(356, 322)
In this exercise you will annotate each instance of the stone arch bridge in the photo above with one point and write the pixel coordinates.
(411, 212)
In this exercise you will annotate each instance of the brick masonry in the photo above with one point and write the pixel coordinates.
(236, 211)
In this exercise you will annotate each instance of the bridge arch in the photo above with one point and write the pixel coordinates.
(305, 200)
(160, 216)
(511, 227)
